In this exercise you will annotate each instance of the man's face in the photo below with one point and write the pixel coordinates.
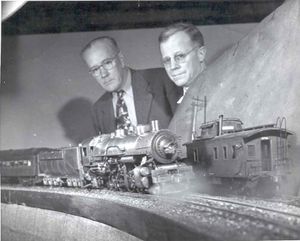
(105, 65)
(187, 67)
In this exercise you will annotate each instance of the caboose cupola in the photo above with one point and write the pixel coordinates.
(220, 127)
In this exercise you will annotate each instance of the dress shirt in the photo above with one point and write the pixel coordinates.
(181, 98)
(128, 98)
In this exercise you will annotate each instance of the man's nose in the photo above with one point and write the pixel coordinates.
(174, 64)
(103, 72)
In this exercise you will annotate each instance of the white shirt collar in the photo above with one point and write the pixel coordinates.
(181, 98)
(185, 90)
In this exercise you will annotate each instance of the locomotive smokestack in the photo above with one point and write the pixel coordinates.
(220, 125)
(154, 125)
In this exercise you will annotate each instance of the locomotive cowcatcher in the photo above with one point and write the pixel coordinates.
(144, 159)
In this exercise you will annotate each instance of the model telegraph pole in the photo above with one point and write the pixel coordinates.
(197, 103)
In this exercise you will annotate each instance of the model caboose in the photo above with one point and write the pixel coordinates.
(226, 152)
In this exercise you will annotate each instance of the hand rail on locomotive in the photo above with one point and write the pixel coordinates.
(114, 146)
(115, 160)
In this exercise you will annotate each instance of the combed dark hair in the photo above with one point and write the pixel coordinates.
(100, 39)
(191, 30)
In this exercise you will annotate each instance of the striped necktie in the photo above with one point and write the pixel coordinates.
(122, 117)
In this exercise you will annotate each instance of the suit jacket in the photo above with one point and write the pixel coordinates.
(155, 98)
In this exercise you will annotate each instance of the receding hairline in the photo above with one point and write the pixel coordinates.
(189, 29)
(100, 40)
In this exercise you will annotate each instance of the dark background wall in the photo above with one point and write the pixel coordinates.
(46, 91)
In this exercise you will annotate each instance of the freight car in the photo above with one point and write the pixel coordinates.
(247, 158)
(40, 165)
(142, 160)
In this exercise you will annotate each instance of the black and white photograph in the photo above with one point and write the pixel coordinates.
(150, 120)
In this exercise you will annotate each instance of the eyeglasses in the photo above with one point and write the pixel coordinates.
(178, 58)
(106, 64)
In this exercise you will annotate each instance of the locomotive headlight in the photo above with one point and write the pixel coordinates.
(164, 147)
(170, 148)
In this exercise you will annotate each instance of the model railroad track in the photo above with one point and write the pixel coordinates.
(258, 206)
(287, 200)
(274, 222)
(252, 218)
(195, 215)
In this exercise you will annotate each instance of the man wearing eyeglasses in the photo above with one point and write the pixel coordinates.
(183, 53)
(132, 96)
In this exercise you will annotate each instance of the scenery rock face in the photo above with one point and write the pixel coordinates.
(257, 80)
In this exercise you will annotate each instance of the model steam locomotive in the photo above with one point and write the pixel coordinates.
(146, 160)
(142, 160)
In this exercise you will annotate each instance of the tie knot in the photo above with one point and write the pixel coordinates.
(120, 93)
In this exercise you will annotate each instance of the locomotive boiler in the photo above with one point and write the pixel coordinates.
(144, 159)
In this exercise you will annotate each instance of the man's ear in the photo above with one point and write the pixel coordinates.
(122, 59)
(201, 52)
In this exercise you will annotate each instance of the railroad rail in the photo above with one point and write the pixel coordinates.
(172, 217)
(269, 218)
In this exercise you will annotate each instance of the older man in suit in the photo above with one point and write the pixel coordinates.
(183, 53)
(132, 97)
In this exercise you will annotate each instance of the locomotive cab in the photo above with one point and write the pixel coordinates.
(134, 159)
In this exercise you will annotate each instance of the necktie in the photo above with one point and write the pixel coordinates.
(122, 117)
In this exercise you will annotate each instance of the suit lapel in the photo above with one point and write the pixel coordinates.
(142, 97)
